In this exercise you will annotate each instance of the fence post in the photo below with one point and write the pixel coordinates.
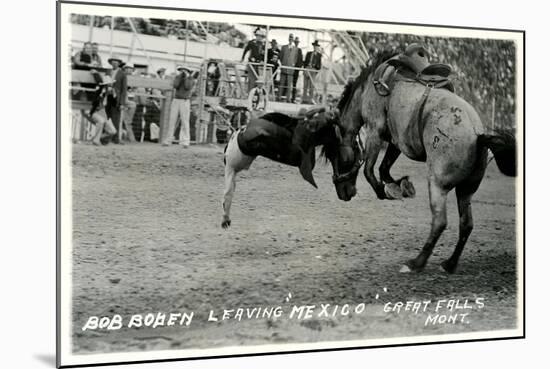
(202, 92)
(165, 116)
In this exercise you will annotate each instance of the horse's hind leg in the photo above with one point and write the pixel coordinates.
(438, 206)
(466, 226)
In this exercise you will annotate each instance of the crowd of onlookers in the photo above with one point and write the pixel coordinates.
(286, 64)
(484, 69)
(223, 33)
(484, 74)
(134, 111)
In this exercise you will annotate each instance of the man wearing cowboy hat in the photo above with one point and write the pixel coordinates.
(116, 100)
(256, 48)
(312, 62)
(181, 106)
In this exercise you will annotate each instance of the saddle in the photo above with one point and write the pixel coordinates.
(413, 66)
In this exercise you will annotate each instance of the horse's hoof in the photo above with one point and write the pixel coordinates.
(393, 191)
(226, 223)
(405, 269)
(407, 188)
(412, 266)
(447, 267)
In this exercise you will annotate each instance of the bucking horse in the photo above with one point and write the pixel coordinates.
(273, 136)
(410, 104)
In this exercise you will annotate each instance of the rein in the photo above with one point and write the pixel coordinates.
(339, 178)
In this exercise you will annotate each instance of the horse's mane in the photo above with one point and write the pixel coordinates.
(367, 70)
(328, 149)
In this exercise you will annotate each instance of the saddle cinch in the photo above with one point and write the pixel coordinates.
(413, 66)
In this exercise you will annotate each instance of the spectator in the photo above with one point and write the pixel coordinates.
(222, 119)
(312, 61)
(141, 102)
(83, 58)
(273, 53)
(273, 58)
(96, 59)
(256, 50)
(116, 100)
(97, 114)
(276, 76)
(147, 111)
(181, 106)
(213, 78)
(257, 98)
(161, 73)
(128, 113)
(298, 64)
(289, 58)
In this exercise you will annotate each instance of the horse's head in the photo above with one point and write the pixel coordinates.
(346, 157)
(345, 153)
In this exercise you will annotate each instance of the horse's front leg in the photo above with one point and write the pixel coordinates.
(372, 149)
(394, 189)
(391, 155)
(235, 161)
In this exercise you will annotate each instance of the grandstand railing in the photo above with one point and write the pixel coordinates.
(81, 127)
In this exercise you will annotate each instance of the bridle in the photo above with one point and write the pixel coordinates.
(343, 177)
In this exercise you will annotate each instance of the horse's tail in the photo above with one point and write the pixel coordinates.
(503, 147)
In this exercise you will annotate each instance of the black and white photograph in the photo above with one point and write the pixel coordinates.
(240, 183)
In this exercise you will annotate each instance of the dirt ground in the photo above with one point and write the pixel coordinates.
(147, 239)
